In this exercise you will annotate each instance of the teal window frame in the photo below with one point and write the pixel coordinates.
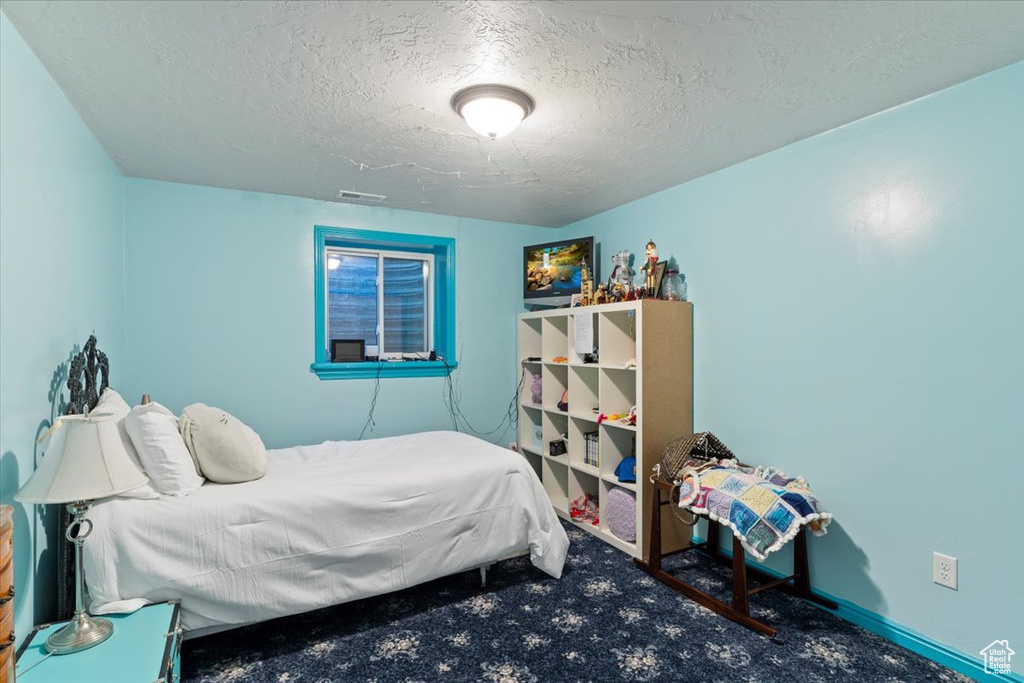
(443, 323)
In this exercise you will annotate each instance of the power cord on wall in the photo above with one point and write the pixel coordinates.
(453, 398)
(373, 402)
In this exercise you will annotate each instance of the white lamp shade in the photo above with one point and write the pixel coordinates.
(493, 117)
(86, 460)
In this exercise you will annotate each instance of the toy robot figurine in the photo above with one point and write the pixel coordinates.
(622, 274)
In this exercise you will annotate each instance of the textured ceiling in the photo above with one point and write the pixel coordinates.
(307, 98)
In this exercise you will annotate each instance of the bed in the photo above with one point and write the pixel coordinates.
(327, 524)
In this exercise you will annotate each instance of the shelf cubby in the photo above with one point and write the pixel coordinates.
(581, 483)
(575, 356)
(555, 477)
(555, 380)
(530, 338)
(606, 532)
(616, 444)
(554, 338)
(583, 391)
(536, 461)
(578, 430)
(618, 337)
(617, 391)
(553, 426)
(529, 423)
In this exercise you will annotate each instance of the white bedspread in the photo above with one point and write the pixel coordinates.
(327, 524)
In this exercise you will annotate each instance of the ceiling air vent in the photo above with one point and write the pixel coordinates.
(353, 196)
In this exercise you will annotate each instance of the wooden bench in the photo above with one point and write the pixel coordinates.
(739, 609)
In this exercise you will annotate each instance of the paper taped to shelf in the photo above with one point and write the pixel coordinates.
(583, 324)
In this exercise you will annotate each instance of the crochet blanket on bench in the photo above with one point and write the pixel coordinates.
(763, 507)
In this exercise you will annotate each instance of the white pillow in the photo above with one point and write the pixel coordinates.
(154, 431)
(111, 403)
(225, 450)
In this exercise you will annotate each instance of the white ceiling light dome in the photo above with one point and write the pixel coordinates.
(492, 110)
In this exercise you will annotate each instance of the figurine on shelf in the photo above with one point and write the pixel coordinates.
(622, 274)
(636, 291)
(601, 296)
(586, 285)
(650, 266)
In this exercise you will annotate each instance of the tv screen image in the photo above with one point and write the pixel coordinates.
(554, 271)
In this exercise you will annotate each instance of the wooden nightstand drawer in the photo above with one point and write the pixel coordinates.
(143, 649)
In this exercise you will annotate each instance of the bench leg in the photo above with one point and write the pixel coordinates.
(740, 599)
(801, 571)
(654, 543)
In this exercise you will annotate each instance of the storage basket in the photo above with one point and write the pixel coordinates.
(700, 447)
(620, 511)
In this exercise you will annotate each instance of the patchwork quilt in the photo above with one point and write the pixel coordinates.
(763, 507)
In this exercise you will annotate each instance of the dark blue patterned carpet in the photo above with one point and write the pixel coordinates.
(605, 620)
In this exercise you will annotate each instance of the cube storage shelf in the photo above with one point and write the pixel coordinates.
(645, 360)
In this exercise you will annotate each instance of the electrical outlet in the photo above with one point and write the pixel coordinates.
(944, 570)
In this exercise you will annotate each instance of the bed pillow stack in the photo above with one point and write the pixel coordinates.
(178, 455)
(111, 403)
(154, 432)
(223, 448)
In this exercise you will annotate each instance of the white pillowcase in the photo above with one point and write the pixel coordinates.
(225, 450)
(111, 403)
(154, 431)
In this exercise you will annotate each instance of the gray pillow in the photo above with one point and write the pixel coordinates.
(223, 448)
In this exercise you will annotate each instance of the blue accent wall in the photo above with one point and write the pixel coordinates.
(859, 303)
(221, 310)
(859, 320)
(61, 279)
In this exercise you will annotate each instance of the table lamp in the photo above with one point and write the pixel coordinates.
(86, 460)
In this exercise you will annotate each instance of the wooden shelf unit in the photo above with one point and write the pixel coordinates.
(646, 360)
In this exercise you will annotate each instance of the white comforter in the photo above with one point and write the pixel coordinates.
(327, 524)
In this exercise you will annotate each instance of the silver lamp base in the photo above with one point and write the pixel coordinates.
(81, 633)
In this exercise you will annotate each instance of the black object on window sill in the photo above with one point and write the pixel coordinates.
(348, 350)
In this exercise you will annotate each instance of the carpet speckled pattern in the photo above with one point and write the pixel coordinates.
(605, 620)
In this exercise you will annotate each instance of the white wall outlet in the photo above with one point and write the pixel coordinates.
(944, 570)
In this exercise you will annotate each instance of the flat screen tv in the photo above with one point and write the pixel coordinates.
(552, 272)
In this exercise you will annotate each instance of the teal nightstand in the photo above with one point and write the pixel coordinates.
(144, 649)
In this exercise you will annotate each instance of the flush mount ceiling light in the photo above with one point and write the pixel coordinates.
(492, 110)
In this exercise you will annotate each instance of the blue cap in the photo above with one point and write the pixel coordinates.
(626, 471)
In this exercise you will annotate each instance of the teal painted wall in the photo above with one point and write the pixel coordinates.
(859, 320)
(61, 278)
(220, 310)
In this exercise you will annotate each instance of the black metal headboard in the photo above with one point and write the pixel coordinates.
(82, 376)
(88, 376)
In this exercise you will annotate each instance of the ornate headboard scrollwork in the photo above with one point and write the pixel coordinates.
(82, 376)
(88, 376)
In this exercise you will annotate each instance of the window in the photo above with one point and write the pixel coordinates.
(383, 298)
(393, 291)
